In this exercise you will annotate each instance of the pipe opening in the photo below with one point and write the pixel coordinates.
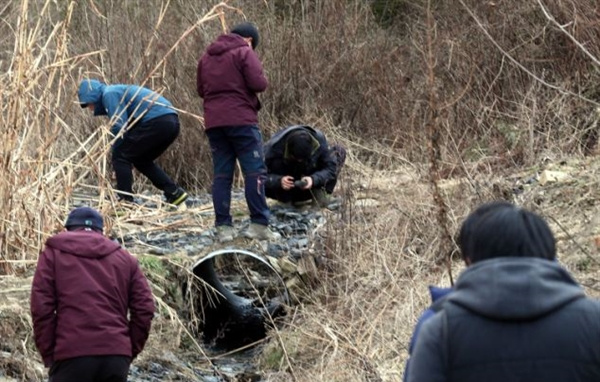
(238, 296)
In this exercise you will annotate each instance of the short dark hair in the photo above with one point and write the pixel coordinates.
(247, 29)
(299, 144)
(502, 229)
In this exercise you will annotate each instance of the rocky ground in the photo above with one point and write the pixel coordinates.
(168, 242)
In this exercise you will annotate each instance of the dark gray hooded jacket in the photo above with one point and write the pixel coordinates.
(321, 167)
(511, 319)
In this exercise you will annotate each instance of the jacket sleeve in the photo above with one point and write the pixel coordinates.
(327, 166)
(141, 309)
(199, 88)
(43, 306)
(428, 313)
(253, 72)
(275, 167)
(116, 110)
(427, 362)
(273, 181)
(274, 171)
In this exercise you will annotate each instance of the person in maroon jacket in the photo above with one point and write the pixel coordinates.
(228, 78)
(83, 289)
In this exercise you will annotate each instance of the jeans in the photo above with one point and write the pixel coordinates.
(243, 143)
(108, 368)
(139, 147)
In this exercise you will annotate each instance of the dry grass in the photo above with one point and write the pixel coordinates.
(495, 85)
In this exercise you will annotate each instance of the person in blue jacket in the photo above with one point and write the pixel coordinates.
(149, 124)
(438, 296)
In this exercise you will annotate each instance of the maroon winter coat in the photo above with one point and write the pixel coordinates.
(83, 288)
(228, 78)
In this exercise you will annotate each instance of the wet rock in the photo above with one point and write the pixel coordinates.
(276, 250)
(302, 243)
(158, 251)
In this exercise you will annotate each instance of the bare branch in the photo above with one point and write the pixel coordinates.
(519, 65)
(569, 35)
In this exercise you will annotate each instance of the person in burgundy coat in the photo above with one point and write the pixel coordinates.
(91, 305)
(229, 76)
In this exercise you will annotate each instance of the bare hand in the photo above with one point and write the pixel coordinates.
(309, 182)
(287, 182)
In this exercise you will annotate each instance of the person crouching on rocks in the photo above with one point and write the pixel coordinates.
(301, 166)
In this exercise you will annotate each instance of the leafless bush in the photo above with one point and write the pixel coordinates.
(512, 82)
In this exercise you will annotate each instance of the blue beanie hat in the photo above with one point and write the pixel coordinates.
(84, 217)
(247, 30)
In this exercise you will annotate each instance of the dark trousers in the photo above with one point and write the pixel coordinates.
(139, 147)
(108, 368)
(298, 195)
(243, 143)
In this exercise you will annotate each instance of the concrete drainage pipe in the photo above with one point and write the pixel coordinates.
(238, 296)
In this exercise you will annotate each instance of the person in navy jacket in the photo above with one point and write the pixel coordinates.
(515, 313)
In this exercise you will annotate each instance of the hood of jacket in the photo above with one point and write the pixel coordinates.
(277, 137)
(226, 42)
(83, 243)
(91, 91)
(515, 289)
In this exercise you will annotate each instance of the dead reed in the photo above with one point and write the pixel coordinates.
(499, 85)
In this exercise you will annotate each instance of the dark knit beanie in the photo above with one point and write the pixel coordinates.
(247, 30)
(299, 145)
(84, 217)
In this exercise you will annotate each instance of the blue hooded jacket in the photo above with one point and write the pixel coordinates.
(124, 104)
(438, 295)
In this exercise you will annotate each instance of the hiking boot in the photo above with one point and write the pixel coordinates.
(324, 200)
(260, 232)
(225, 233)
(321, 197)
(178, 197)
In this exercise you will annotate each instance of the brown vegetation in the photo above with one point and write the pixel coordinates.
(421, 92)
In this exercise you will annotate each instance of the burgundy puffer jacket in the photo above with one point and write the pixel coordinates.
(83, 288)
(228, 78)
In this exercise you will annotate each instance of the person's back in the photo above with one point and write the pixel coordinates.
(229, 76)
(142, 104)
(511, 318)
(532, 324)
(84, 287)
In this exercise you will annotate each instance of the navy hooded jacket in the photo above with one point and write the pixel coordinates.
(511, 319)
